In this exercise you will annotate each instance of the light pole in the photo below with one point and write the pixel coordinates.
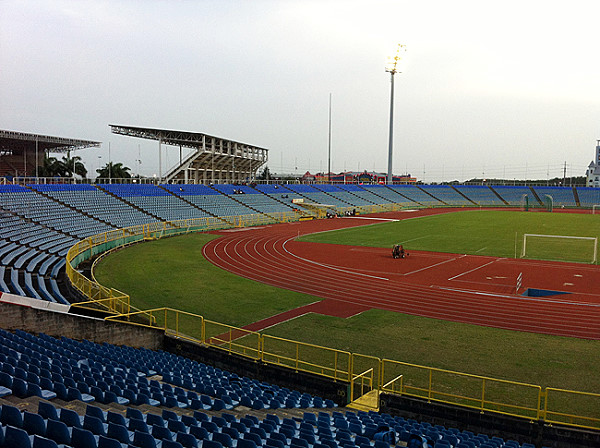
(392, 68)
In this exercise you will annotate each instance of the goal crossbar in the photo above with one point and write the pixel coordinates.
(564, 237)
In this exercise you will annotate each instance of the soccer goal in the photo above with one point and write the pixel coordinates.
(579, 249)
(548, 202)
(595, 209)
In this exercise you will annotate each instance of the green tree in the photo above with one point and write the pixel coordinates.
(70, 164)
(265, 174)
(50, 167)
(114, 171)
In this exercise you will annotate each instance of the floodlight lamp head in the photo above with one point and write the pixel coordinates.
(392, 66)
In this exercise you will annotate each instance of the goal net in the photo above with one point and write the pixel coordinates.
(579, 249)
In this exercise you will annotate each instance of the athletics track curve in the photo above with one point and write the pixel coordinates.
(462, 288)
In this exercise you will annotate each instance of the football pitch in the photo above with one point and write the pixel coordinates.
(496, 233)
(172, 272)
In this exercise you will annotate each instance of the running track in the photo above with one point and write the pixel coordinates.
(462, 288)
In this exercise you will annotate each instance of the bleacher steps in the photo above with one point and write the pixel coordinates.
(576, 196)
(462, 194)
(368, 402)
(498, 195)
(428, 193)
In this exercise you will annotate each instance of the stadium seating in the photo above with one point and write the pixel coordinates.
(513, 195)
(254, 199)
(96, 203)
(415, 194)
(388, 194)
(480, 195)
(446, 194)
(52, 425)
(155, 201)
(351, 194)
(106, 373)
(588, 196)
(561, 196)
(209, 201)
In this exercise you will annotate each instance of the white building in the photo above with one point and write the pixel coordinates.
(593, 171)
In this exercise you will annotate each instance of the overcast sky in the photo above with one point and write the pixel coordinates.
(495, 89)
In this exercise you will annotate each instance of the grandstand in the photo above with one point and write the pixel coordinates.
(513, 195)
(417, 195)
(116, 394)
(22, 154)
(446, 194)
(480, 195)
(561, 197)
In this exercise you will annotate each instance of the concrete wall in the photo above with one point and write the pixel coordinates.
(492, 424)
(60, 323)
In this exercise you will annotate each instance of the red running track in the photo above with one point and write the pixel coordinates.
(462, 288)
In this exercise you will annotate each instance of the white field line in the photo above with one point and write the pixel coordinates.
(345, 271)
(434, 265)
(474, 269)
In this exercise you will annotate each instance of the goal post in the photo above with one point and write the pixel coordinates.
(595, 209)
(579, 249)
(549, 202)
(525, 203)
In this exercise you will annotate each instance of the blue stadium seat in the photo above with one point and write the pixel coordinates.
(119, 432)
(70, 418)
(58, 431)
(42, 442)
(144, 440)
(189, 441)
(34, 424)
(16, 437)
(82, 438)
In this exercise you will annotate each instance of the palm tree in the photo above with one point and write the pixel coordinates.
(114, 171)
(70, 164)
(50, 167)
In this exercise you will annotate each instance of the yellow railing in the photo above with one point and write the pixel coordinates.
(479, 392)
(302, 356)
(572, 407)
(115, 301)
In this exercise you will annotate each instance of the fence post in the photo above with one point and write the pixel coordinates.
(483, 394)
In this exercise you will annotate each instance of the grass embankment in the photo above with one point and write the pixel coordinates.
(173, 273)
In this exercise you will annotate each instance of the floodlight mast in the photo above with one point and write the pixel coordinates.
(392, 69)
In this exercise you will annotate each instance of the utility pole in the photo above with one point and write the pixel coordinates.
(565, 174)
(392, 69)
(329, 145)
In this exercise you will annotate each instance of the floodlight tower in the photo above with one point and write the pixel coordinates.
(392, 68)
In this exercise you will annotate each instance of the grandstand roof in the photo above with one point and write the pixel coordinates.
(213, 159)
(13, 140)
(169, 136)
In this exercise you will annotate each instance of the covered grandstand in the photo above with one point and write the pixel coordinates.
(21, 153)
(213, 159)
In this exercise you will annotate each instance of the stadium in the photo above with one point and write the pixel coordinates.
(204, 310)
